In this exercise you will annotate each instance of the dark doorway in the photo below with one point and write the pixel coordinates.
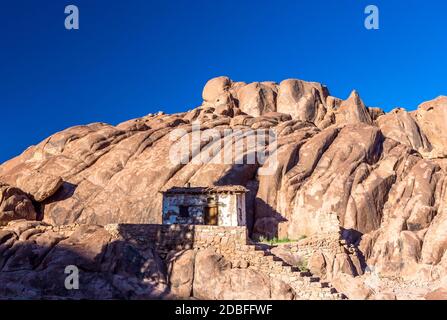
(211, 216)
(184, 211)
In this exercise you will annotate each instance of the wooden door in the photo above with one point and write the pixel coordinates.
(211, 216)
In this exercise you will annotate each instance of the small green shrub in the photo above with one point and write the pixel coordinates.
(274, 240)
(302, 265)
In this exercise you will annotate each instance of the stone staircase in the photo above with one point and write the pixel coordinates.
(306, 286)
(233, 244)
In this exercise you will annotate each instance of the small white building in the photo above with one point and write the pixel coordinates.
(219, 205)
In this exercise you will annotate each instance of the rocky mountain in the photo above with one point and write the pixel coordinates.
(379, 179)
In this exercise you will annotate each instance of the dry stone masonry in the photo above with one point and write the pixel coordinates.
(178, 237)
(235, 246)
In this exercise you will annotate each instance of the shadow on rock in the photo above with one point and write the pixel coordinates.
(34, 258)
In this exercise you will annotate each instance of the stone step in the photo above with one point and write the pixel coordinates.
(310, 286)
(284, 278)
(317, 284)
(293, 278)
(340, 296)
(257, 254)
(311, 279)
(253, 247)
(305, 274)
(330, 290)
(269, 258)
(278, 266)
(298, 280)
(287, 268)
(278, 262)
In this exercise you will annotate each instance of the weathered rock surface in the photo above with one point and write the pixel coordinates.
(379, 178)
(355, 287)
(207, 275)
(432, 118)
(14, 205)
(399, 125)
(181, 272)
(353, 110)
(34, 257)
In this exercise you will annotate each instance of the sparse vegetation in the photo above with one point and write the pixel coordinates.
(274, 240)
(302, 265)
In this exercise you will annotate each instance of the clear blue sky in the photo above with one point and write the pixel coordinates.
(134, 57)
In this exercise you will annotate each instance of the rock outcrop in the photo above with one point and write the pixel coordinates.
(432, 118)
(377, 178)
(34, 258)
(206, 275)
(15, 205)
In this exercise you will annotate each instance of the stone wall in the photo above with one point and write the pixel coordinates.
(234, 245)
(176, 237)
(195, 204)
(326, 243)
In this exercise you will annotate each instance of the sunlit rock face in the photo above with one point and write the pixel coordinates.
(432, 118)
(339, 165)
